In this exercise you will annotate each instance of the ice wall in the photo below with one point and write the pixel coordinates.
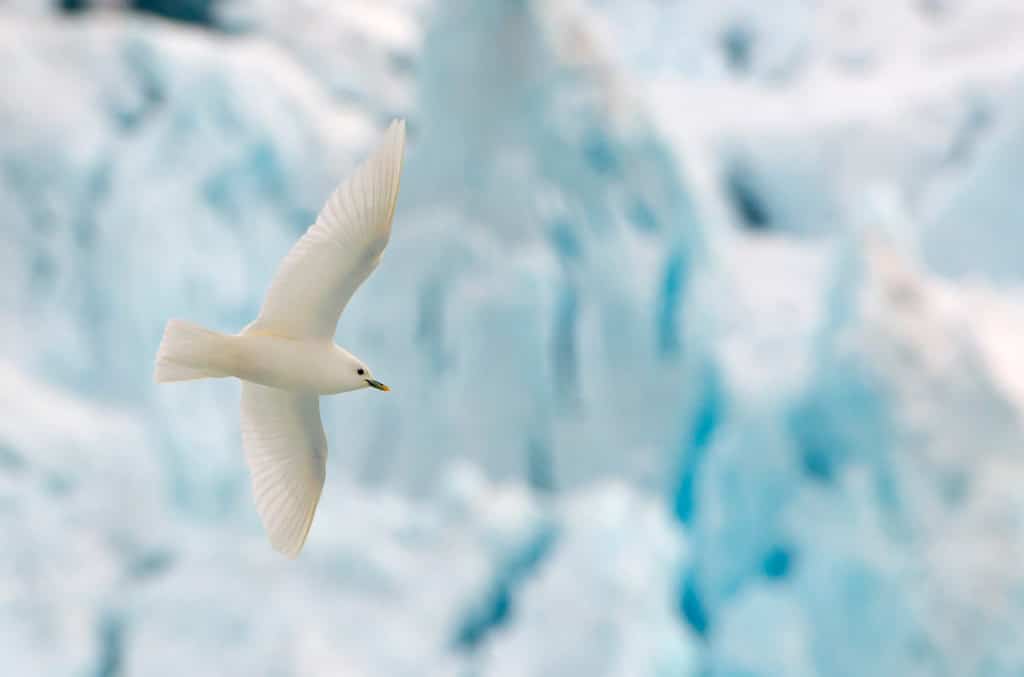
(687, 379)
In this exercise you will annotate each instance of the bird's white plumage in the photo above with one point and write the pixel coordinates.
(286, 450)
(282, 434)
(290, 343)
(338, 252)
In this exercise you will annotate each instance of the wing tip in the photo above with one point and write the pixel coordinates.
(288, 541)
(367, 198)
(396, 134)
(290, 553)
(290, 545)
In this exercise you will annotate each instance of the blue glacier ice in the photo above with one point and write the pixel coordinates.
(703, 322)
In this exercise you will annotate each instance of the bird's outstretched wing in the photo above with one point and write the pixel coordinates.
(286, 450)
(338, 252)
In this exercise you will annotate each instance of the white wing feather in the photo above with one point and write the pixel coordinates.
(286, 449)
(325, 267)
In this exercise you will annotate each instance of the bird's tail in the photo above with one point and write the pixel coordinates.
(189, 351)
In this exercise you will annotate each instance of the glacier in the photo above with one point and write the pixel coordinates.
(702, 319)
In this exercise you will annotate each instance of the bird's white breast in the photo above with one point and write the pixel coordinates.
(304, 365)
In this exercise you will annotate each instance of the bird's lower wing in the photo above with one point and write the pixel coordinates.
(286, 450)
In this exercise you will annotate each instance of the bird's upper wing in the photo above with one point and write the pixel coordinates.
(338, 252)
(286, 449)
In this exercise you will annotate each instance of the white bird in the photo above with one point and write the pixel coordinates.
(287, 357)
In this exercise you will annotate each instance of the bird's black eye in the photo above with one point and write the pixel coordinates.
(360, 371)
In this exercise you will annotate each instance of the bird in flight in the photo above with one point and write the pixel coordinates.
(287, 358)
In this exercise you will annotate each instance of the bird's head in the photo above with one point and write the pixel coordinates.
(351, 373)
(360, 376)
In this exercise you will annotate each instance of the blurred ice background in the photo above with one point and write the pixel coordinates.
(704, 321)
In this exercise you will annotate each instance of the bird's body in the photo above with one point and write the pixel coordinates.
(287, 357)
(310, 365)
(304, 365)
